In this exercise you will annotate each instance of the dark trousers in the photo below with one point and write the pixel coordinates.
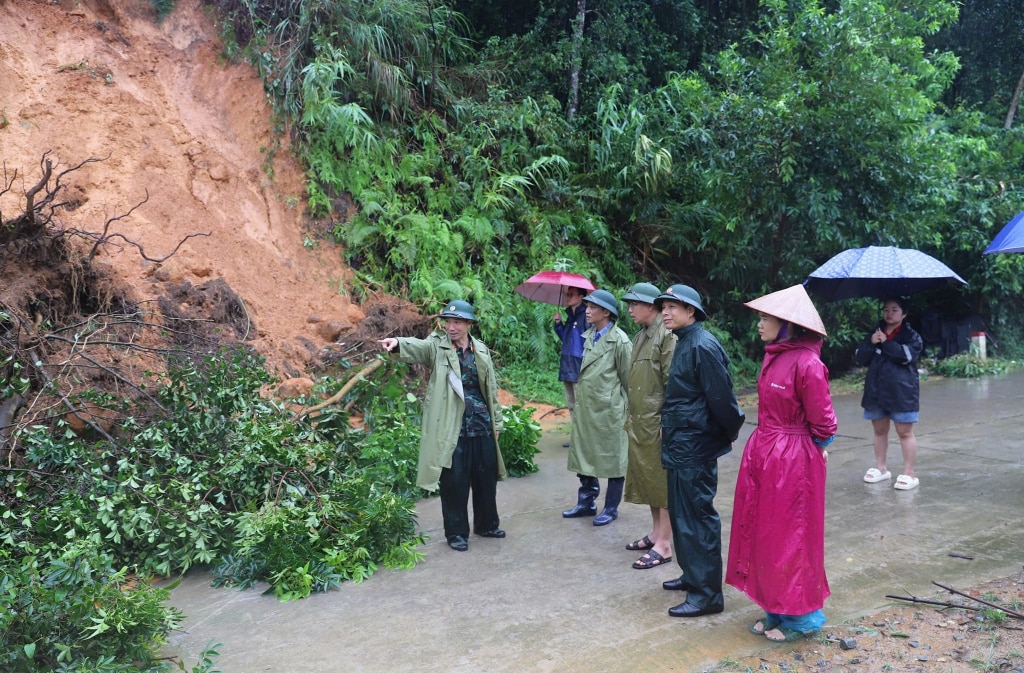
(697, 531)
(474, 466)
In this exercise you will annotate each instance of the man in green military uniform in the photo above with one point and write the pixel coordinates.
(598, 433)
(646, 480)
(461, 423)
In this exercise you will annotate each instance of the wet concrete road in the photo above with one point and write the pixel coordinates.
(561, 595)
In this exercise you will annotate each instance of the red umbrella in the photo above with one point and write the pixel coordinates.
(549, 286)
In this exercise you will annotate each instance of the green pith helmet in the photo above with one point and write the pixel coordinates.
(684, 294)
(457, 308)
(604, 299)
(642, 292)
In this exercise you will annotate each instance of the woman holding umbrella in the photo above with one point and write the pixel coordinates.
(892, 390)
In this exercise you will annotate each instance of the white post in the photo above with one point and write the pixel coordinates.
(978, 344)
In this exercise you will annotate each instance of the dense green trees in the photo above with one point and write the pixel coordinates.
(987, 39)
(732, 144)
(786, 150)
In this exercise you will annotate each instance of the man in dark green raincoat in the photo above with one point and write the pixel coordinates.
(700, 419)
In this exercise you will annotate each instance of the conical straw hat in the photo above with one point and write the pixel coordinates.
(792, 305)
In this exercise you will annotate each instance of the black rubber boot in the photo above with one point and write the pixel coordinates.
(612, 498)
(590, 488)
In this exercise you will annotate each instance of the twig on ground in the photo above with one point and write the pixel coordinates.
(1012, 613)
(948, 604)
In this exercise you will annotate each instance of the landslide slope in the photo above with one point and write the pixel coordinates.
(173, 121)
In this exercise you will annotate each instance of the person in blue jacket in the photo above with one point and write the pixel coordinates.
(570, 331)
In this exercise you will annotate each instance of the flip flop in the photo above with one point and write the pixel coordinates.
(873, 476)
(640, 545)
(766, 624)
(790, 635)
(650, 560)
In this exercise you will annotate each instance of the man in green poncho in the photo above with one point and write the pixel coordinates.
(598, 433)
(461, 423)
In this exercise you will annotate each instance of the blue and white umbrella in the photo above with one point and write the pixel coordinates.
(1010, 238)
(880, 272)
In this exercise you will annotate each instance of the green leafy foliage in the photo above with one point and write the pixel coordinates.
(217, 476)
(969, 365)
(74, 611)
(519, 440)
(530, 381)
(734, 146)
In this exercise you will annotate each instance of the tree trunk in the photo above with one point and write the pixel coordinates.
(574, 64)
(1014, 103)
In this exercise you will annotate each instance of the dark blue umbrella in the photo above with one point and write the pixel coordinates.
(879, 272)
(1010, 238)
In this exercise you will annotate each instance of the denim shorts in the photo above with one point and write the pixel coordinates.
(896, 416)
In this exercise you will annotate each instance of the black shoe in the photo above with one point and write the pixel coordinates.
(566, 445)
(496, 532)
(458, 543)
(678, 584)
(690, 610)
(606, 517)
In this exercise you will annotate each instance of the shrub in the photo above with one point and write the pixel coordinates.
(213, 475)
(968, 365)
(74, 611)
(519, 440)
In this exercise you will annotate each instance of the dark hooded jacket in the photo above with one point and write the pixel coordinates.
(700, 418)
(570, 331)
(892, 382)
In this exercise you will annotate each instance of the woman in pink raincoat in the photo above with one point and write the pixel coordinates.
(777, 544)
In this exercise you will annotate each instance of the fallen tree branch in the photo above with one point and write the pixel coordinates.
(67, 403)
(947, 604)
(8, 410)
(1008, 611)
(366, 371)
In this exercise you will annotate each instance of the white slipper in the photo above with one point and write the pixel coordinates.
(905, 483)
(873, 476)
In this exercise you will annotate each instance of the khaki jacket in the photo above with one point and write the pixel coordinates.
(646, 481)
(648, 374)
(443, 407)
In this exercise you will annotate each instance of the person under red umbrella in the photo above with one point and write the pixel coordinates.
(570, 332)
(562, 288)
(777, 543)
